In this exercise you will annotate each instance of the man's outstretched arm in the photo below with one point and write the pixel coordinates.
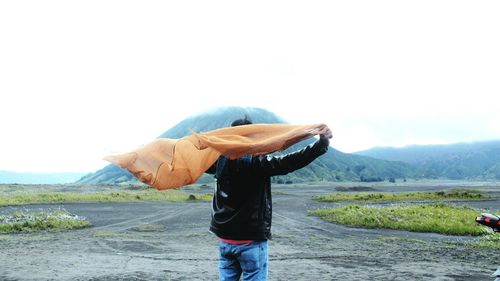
(281, 165)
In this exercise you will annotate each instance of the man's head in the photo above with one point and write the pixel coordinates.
(242, 121)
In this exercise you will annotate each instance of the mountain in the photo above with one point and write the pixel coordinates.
(333, 166)
(475, 160)
(38, 178)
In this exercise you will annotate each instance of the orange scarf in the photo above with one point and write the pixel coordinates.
(170, 163)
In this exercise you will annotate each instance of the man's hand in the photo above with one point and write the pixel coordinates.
(326, 136)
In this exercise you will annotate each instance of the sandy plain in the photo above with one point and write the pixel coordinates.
(171, 241)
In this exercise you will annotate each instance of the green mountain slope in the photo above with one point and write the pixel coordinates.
(477, 160)
(333, 166)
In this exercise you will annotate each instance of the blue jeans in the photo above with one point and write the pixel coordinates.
(247, 259)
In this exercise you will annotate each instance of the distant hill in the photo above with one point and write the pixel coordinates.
(476, 160)
(334, 166)
(38, 178)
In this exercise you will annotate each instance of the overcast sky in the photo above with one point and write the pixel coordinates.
(82, 79)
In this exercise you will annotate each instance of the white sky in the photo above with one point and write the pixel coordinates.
(81, 79)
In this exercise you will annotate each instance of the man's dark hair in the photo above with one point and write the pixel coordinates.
(242, 121)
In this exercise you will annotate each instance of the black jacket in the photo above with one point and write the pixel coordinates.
(242, 205)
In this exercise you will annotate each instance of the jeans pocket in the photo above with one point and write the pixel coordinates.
(250, 258)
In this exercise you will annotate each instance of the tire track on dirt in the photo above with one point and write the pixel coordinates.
(117, 245)
(160, 215)
(310, 225)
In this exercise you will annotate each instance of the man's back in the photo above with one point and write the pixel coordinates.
(242, 205)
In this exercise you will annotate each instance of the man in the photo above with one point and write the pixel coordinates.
(242, 206)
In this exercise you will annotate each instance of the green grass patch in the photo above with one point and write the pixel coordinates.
(437, 218)
(39, 221)
(22, 198)
(406, 196)
(489, 241)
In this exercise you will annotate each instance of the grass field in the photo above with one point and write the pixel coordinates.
(437, 218)
(489, 241)
(406, 196)
(22, 198)
(40, 221)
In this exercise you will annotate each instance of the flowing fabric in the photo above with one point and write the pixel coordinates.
(169, 163)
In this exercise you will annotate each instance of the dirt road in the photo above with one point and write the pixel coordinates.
(170, 241)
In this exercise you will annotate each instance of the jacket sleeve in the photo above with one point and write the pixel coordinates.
(212, 169)
(281, 165)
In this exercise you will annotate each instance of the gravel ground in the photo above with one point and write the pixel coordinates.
(170, 241)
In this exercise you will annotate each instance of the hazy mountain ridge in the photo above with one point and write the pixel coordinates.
(38, 178)
(333, 166)
(474, 160)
